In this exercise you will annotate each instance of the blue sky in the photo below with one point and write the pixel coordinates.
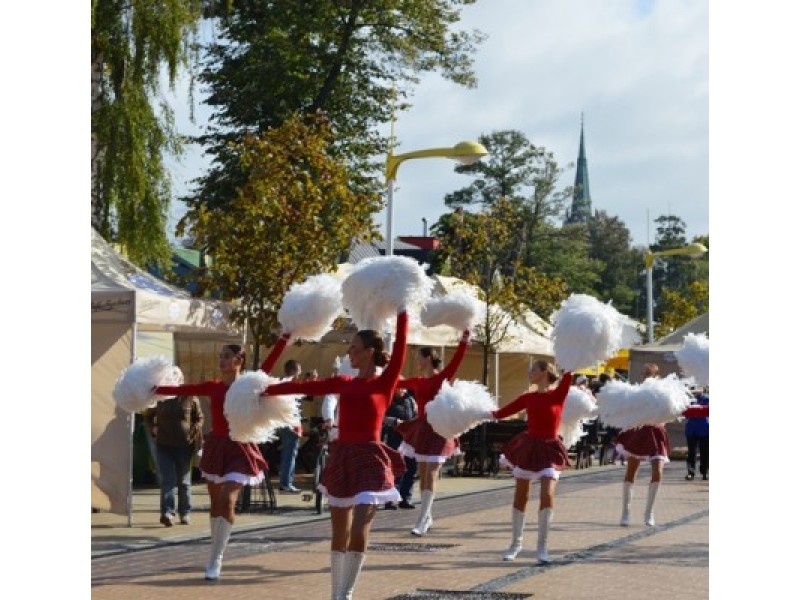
(637, 70)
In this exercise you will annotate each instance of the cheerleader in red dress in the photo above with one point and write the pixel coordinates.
(538, 453)
(226, 465)
(361, 470)
(420, 441)
(647, 443)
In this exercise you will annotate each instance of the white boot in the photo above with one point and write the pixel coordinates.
(627, 495)
(218, 544)
(517, 525)
(652, 490)
(545, 516)
(425, 520)
(353, 561)
(337, 574)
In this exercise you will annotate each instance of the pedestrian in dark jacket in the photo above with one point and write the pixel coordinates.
(402, 409)
(696, 430)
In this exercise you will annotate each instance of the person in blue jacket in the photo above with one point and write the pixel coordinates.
(696, 430)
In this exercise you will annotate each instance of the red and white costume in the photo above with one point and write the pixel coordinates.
(651, 442)
(224, 459)
(360, 468)
(420, 441)
(538, 451)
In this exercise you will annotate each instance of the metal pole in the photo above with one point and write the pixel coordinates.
(649, 278)
(389, 215)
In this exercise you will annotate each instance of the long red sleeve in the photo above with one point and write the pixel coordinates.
(543, 408)
(699, 410)
(275, 353)
(426, 388)
(362, 402)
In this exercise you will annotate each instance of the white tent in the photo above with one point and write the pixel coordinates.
(662, 351)
(134, 314)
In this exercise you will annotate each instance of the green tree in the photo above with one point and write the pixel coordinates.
(610, 244)
(681, 307)
(342, 58)
(293, 217)
(483, 249)
(513, 166)
(134, 43)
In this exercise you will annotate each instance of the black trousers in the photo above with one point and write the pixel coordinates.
(695, 443)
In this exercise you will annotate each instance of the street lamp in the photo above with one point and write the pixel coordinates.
(694, 250)
(465, 153)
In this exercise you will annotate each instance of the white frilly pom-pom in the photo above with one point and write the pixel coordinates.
(459, 407)
(378, 287)
(134, 388)
(309, 308)
(586, 332)
(579, 408)
(652, 402)
(253, 418)
(693, 357)
(460, 310)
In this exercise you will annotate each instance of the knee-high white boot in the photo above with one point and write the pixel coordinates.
(352, 568)
(545, 517)
(337, 574)
(517, 527)
(218, 544)
(425, 520)
(627, 495)
(652, 491)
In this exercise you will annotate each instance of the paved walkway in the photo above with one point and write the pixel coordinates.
(286, 555)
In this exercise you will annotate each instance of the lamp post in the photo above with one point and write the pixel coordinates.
(466, 153)
(694, 250)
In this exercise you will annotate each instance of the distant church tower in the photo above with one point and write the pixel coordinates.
(581, 210)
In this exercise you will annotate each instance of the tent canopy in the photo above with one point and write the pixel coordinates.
(127, 301)
(662, 351)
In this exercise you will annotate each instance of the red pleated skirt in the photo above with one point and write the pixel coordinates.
(422, 440)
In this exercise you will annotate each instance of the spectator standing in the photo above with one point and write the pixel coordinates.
(289, 438)
(402, 409)
(176, 424)
(696, 430)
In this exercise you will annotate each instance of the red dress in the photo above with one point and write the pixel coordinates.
(361, 469)
(224, 459)
(420, 441)
(651, 442)
(538, 451)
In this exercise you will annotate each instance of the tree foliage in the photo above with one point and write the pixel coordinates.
(680, 307)
(347, 59)
(133, 44)
(483, 249)
(294, 216)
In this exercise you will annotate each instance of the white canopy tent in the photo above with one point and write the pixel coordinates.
(134, 314)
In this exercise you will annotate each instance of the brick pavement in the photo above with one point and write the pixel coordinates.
(593, 556)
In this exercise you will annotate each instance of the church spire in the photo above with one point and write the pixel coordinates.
(581, 210)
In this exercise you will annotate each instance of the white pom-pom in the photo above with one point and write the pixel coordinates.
(459, 407)
(309, 308)
(459, 309)
(586, 332)
(579, 408)
(378, 287)
(652, 402)
(134, 388)
(253, 417)
(693, 357)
